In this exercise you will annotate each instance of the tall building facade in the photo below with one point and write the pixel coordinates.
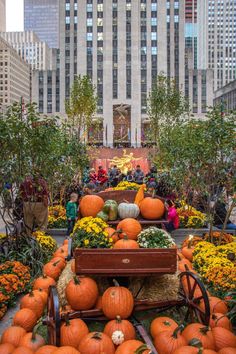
(30, 48)
(198, 82)
(2, 15)
(42, 17)
(217, 39)
(122, 45)
(14, 76)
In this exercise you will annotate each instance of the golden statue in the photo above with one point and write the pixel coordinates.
(124, 163)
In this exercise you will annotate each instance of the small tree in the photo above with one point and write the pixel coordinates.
(81, 106)
(166, 107)
(200, 156)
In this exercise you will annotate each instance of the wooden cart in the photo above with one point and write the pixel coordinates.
(130, 263)
(115, 263)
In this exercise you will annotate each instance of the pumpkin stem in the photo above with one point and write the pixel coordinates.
(67, 320)
(204, 330)
(97, 335)
(31, 294)
(55, 263)
(177, 330)
(125, 201)
(195, 343)
(76, 280)
(118, 319)
(115, 282)
(125, 237)
(153, 193)
(142, 349)
(44, 276)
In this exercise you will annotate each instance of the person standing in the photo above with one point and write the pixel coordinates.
(173, 217)
(71, 212)
(35, 195)
(138, 175)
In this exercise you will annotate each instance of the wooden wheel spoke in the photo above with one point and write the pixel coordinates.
(193, 289)
(198, 298)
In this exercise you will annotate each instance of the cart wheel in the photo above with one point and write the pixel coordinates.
(193, 292)
(53, 317)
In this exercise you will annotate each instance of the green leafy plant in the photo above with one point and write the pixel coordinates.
(155, 238)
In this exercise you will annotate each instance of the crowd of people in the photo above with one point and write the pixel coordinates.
(114, 176)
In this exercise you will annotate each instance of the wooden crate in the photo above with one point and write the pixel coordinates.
(130, 262)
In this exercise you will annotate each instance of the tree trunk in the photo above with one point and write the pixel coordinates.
(233, 204)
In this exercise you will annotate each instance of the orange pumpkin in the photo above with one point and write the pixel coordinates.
(152, 208)
(194, 241)
(6, 348)
(46, 349)
(41, 293)
(81, 293)
(98, 304)
(66, 350)
(161, 324)
(200, 332)
(183, 263)
(65, 242)
(139, 195)
(228, 350)
(61, 263)
(25, 318)
(33, 302)
(126, 243)
(223, 338)
(188, 252)
(91, 205)
(132, 347)
(117, 301)
(186, 349)
(216, 305)
(44, 282)
(13, 335)
(72, 331)
(72, 266)
(22, 350)
(112, 233)
(52, 270)
(120, 325)
(129, 227)
(61, 252)
(220, 320)
(32, 341)
(167, 342)
(96, 343)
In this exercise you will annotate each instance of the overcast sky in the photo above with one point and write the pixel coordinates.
(15, 15)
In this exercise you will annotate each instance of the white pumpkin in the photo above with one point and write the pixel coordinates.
(128, 210)
(118, 337)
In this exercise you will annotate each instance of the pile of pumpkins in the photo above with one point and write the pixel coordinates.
(149, 208)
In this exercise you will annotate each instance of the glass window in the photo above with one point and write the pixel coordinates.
(154, 36)
(67, 7)
(67, 20)
(143, 7)
(100, 36)
(89, 7)
(154, 50)
(154, 21)
(100, 7)
(76, 19)
(128, 6)
(76, 6)
(100, 22)
(176, 18)
(89, 36)
(176, 5)
(89, 22)
(154, 7)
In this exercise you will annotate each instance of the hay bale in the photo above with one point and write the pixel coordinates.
(156, 288)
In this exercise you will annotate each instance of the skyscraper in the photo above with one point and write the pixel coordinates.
(42, 17)
(2, 15)
(122, 45)
(217, 39)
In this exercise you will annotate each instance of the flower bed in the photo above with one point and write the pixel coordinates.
(14, 278)
(57, 217)
(216, 265)
(124, 186)
(190, 217)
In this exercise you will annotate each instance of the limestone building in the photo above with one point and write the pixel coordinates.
(2, 15)
(30, 48)
(14, 76)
